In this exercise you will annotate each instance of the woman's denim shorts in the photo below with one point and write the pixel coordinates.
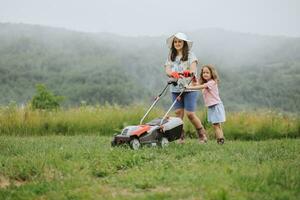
(188, 100)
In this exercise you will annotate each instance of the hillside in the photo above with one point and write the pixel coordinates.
(256, 71)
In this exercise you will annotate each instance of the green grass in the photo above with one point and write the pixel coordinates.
(86, 167)
(108, 119)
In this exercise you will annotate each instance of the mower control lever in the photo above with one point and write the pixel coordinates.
(190, 75)
(172, 81)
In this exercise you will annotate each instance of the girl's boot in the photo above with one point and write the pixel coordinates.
(220, 141)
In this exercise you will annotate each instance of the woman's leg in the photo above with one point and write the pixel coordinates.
(198, 125)
(190, 104)
(194, 119)
(180, 113)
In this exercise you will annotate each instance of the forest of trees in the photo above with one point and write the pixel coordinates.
(256, 71)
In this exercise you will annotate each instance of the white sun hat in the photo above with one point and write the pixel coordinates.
(180, 36)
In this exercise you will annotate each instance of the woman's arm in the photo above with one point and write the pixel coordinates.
(168, 70)
(193, 67)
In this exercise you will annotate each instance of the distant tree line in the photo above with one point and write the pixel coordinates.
(256, 71)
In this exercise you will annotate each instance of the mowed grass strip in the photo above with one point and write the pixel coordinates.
(86, 167)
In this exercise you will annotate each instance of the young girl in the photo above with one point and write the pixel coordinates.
(208, 83)
(182, 60)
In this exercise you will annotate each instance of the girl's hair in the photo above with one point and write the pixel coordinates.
(213, 72)
(185, 52)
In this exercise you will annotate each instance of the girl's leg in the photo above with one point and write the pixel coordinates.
(218, 130)
(219, 133)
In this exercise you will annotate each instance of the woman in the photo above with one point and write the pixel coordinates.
(182, 61)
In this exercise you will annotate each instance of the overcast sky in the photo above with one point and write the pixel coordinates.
(157, 17)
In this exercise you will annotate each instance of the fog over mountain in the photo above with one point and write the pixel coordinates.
(256, 71)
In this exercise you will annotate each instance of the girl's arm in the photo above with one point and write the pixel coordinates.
(196, 87)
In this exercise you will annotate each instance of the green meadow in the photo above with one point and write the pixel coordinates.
(66, 154)
(107, 119)
(86, 167)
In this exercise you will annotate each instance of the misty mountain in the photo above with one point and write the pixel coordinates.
(256, 71)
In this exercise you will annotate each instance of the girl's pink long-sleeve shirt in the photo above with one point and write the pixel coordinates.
(211, 93)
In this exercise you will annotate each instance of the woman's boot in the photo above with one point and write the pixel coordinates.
(202, 135)
(182, 136)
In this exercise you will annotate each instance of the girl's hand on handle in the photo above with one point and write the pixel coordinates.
(195, 81)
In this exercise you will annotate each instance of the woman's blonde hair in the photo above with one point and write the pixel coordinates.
(213, 72)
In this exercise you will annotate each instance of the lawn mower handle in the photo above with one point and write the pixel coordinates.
(157, 99)
(176, 100)
(169, 82)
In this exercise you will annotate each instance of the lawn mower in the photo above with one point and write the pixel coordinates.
(159, 131)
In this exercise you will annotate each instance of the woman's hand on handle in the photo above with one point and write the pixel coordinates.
(175, 75)
(187, 73)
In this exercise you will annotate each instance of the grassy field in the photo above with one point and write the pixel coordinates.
(66, 154)
(108, 119)
(86, 167)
